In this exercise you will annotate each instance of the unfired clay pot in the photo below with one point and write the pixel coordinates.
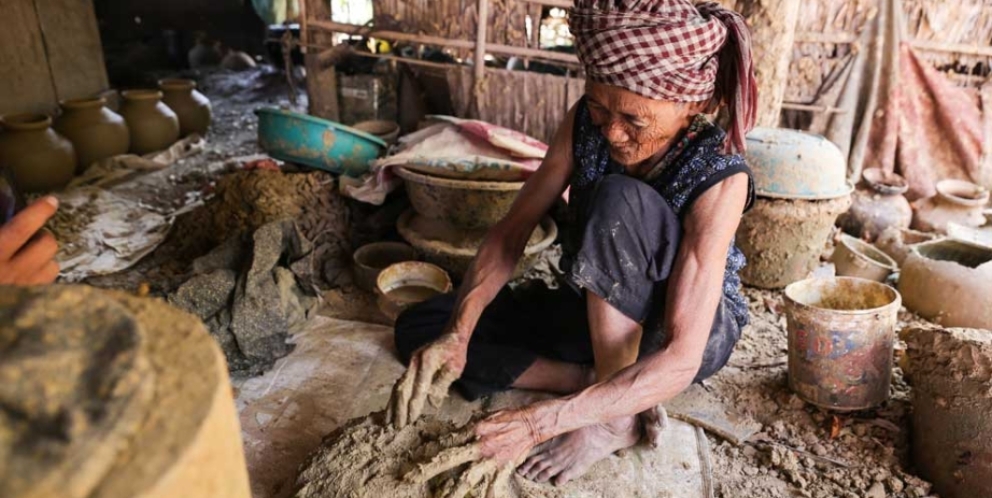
(152, 124)
(38, 158)
(782, 239)
(897, 242)
(856, 258)
(190, 106)
(949, 282)
(956, 201)
(877, 205)
(95, 131)
(236, 60)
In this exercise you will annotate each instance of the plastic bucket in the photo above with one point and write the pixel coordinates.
(841, 335)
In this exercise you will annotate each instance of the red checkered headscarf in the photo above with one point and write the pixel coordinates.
(670, 50)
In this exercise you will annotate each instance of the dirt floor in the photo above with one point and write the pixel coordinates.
(801, 450)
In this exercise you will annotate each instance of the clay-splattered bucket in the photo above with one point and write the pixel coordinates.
(841, 333)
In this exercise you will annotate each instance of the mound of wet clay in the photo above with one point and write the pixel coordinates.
(367, 458)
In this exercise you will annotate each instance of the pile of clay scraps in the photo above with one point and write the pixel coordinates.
(453, 148)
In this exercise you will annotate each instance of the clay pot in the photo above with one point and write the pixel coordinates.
(190, 106)
(37, 158)
(152, 124)
(387, 131)
(204, 54)
(402, 285)
(468, 204)
(956, 201)
(236, 60)
(877, 205)
(949, 282)
(782, 239)
(857, 258)
(897, 242)
(952, 399)
(95, 131)
(371, 259)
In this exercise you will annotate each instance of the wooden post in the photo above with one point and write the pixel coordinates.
(481, 31)
(773, 33)
(322, 82)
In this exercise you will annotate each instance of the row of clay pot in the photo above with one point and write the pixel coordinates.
(42, 156)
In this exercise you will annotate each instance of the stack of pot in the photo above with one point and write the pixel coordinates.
(42, 156)
(801, 186)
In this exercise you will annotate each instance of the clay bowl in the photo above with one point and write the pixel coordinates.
(454, 249)
(947, 281)
(963, 193)
(789, 164)
(459, 203)
(370, 259)
(856, 258)
(404, 284)
(387, 131)
(885, 183)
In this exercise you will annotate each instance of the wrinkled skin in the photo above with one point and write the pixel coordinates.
(558, 440)
(27, 253)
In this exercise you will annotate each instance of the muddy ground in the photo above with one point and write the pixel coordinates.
(802, 451)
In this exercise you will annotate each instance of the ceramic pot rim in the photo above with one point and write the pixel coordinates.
(385, 281)
(167, 84)
(868, 252)
(362, 252)
(87, 103)
(26, 121)
(885, 183)
(791, 289)
(950, 190)
(142, 95)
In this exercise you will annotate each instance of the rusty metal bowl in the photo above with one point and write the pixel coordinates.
(460, 203)
(841, 335)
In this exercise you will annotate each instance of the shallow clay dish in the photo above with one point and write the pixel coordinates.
(460, 203)
(856, 258)
(404, 284)
(371, 259)
(436, 245)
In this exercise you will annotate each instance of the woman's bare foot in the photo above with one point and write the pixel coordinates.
(569, 456)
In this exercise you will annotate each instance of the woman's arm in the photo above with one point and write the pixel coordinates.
(433, 368)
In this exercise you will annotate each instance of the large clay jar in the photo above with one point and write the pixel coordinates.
(783, 239)
(949, 282)
(38, 158)
(152, 124)
(956, 201)
(877, 205)
(192, 108)
(95, 131)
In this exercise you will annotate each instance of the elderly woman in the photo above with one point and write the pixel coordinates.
(652, 300)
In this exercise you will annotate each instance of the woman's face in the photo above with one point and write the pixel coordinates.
(637, 128)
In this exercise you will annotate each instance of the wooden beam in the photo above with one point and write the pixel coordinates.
(812, 108)
(837, 38)
(953, 48)
(322, 80)
(335, 27)
(561, 4)
(479, 71)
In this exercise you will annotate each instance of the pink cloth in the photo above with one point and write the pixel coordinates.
(671, 50)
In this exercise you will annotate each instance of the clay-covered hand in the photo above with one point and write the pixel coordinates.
(502, 442)
(432, 370)
(27, 253)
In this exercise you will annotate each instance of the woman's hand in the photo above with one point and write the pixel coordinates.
(27, 254)
(502, 442)
(432, 370)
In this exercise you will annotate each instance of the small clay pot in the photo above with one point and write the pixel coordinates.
(236, 60)
(956, 201)
(37, 158)
(371, 259)
(877, 205)
(856, 258)
(95, 131)
(191, 107)
(948, 281)
(152, 124)
(897, 242)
